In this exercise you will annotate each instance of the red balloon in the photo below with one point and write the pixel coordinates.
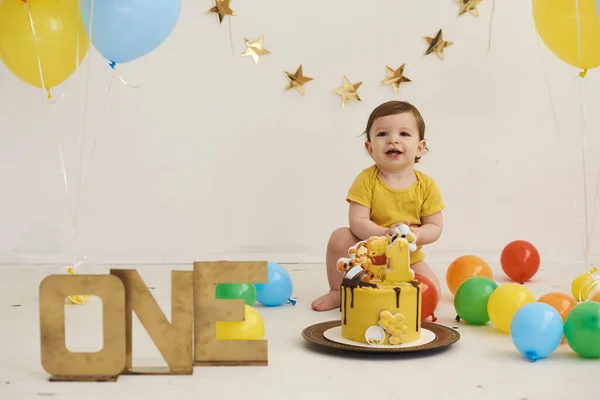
(430, 298)
(520, 260)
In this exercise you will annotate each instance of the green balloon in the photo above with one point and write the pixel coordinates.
(582, 329)
(471, 299)
(244, 291)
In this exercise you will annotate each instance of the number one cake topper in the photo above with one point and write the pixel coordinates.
(398, 255)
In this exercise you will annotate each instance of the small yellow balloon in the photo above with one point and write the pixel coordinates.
(57, 24)
(252, 328)
(78, 299)
(505, 301)
(583, 285)
(556, 23)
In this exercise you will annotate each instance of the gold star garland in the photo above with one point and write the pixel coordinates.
(348, 91)
(469, 6)
(255, 49)
(437, 44)
(222, 9)
(395, 77)
(297, 80)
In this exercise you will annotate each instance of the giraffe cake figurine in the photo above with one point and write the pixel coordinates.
(380, 297)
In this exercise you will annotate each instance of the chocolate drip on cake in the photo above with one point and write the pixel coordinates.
(357, 276)
(345, 300)
(416, 286)
(397, 290)
(352, 284)
(345, 304)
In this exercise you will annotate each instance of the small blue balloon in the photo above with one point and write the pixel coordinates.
(124, 30)
(536, 330)
(278, 288)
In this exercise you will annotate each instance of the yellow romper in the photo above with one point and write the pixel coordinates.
(391, 206)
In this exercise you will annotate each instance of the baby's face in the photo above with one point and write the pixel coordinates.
(395, 141)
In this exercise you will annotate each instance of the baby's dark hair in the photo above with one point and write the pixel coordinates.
(395, 107)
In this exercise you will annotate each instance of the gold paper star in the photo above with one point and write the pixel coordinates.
(348, 91)
(255, 49)
(297, 80)
(469, 6)
(222, 9)
(437, 44)
(395, 77)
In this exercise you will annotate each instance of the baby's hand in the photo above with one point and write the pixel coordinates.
(413, 230)
(392, 230)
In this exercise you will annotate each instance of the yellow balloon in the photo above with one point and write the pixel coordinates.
(584, 284)
(505, 301)
(556, 23)
(57, 24)
(252, 328)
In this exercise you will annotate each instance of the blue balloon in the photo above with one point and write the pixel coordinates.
(124, 30)
(278, 288)
(536, 330)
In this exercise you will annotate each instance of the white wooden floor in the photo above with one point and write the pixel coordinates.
(482, 365)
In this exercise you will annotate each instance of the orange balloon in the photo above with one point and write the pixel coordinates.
(595, 297)
(466, 267)
(562, 302)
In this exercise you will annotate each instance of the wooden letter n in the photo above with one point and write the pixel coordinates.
(173, 339)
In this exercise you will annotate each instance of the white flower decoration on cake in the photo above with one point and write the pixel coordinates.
(403, 231)
(375, 335)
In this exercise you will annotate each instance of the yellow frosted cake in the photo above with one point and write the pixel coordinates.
(380, 298)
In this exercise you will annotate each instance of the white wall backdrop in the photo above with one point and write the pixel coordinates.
(211, 159)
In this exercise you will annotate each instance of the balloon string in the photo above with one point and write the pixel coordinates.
(130, 85)
(590, 287)
(77, 44)
(113, 65)
(63, 172)
(547, 82)
(583, 73)
(63, 168)
(491, 20)
(81, 139)
(596, 197)
(47, 93)
(553, 109)
(583, 160)
(231, 37)
(578, 219)
(48, 96)
(100, 127)
(578, 34)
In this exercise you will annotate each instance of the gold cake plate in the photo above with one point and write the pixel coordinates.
(328, 334)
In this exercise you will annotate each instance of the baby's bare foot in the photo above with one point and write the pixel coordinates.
(327, 302)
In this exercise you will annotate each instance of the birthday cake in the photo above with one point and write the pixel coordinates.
(380, 298)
